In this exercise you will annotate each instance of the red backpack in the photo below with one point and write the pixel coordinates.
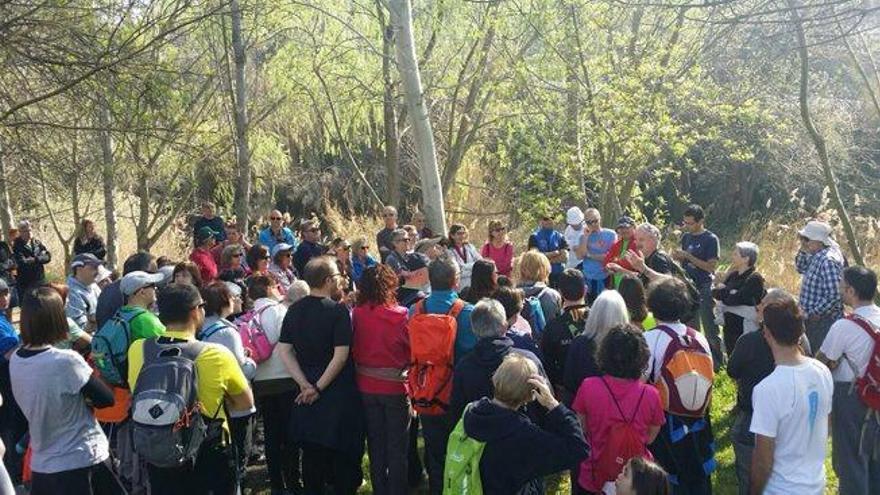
(431, 343)
(623, 443)
(868, 385)
(687, 375)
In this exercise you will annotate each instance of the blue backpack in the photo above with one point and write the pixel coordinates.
(110, 345)
(534, 314)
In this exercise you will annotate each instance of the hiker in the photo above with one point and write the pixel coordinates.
(7, 274)
(281, 266)
(472, 379)
(653, 262)
(750, 362)
(562, 330)
(607, 312)
(396, 259)
(202, 256)
(233, 238)
(31, 256)
(274, 389)
(791, 408)
(5, 479)
(13, 424)
(276, 232)
(188, 273)
(739, 294)
(599, 242)
(413, 233)
(498, 248)
(443, 274)
(327, 417)
(575, 236)
(232, 266)
(699, 255)
(309, 248)
(56, 391)
(111, 297)
(517, 453)
(534, 274)
(681, 368)
(77, 338)
(380, 351)
(462, 253)
(633, 293)
(220, 304)
(258, 258)
(220, 381)
(820, 263)
(361, 259)
(642, 477)
(209, 219)
(432, 248)
(82, 300)
(484, 281)
(421, 225)
(87, 240)
(547, 240)
(340, 249)
(384, 239)
(616, 262)
(620, 414)
(847, 350)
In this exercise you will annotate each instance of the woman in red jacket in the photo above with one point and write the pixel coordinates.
(380, 350)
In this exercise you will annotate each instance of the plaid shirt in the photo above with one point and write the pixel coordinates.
(820, 290)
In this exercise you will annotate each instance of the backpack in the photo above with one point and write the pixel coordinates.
(110, 345)
(622, 444)
(253, 338)
(167, 425)
(206, 334)
(432, 344)
(534, 313)
(868, 385)
(686, 377)
(461, 473)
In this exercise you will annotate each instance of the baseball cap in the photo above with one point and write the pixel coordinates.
(204, 233)
(416, 261)
(625, 221)
(103, 273)
(280, 247)
(574, 216)
(136, 281)
(816, 230)
(234, 288)
(85, 259)
(167, 273)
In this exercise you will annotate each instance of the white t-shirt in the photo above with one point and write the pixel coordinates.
(658, 341)
(792, 405)
(846, 338)
(271, 320)
(573, 238)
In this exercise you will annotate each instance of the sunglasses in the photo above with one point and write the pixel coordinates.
(364, 248)
(275, 218)
(265, 257)
(237, 255)
(591, 222)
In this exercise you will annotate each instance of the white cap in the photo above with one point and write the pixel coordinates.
(574, 216)
(134, 281)
(280, 247)
(168, 272)
(103, 273)
(816, 230)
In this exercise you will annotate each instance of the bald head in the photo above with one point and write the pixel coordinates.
(276, 219)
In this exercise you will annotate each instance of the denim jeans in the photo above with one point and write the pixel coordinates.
(857, 472)
(743, 446)
(705, 321)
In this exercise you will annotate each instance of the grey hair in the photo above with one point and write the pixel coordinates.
(777, 294)
(607, 312)
(651, 231)
(398, 233)
(297, 290)
(488, 319)
(442, 273)
(748, 250)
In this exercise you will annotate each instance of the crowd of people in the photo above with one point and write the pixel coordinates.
(591, 352)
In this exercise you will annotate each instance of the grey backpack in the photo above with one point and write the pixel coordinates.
(168, 427)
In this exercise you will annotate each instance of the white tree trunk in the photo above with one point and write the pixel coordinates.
(6, 217)
(408, 65)
(108, 178)
(243, 185)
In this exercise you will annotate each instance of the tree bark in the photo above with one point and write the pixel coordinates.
(817, 137)
(108, 179)
(6, 217)
(243, 185)
(389, 115)
(408, 65)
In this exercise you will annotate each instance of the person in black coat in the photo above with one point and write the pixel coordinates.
(472, 378)
(561, 331)
(87, 241)
(31, 256)
(743, 286)
(518, 453)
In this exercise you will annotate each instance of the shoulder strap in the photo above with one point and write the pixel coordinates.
(863, 323)
(419, 307)
(668, 331)
(211, 330)
(613, 398)
(456, 308)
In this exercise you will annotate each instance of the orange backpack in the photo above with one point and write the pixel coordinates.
(685, 381)
(431, 342)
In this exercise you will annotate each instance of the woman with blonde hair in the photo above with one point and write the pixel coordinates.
(498, 248)
(534, 273)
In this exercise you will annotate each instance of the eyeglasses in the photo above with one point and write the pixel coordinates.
(237, 255)
(592, 222)
(276, 218)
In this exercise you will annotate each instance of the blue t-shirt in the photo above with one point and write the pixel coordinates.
(547, 241)
(8, 337)
(598, 243)
(705, 247)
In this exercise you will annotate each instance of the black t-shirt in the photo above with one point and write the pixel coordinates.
(314, 326)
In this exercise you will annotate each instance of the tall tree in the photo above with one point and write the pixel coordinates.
(243, 184)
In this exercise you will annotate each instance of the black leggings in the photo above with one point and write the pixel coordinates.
(322, 466)
(282, 457)
(92, 480)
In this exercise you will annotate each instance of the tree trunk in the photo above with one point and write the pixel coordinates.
(408, 65)
(243, 185)
(389, 115)
(108, 178)
(816, 136)
(6, 217)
